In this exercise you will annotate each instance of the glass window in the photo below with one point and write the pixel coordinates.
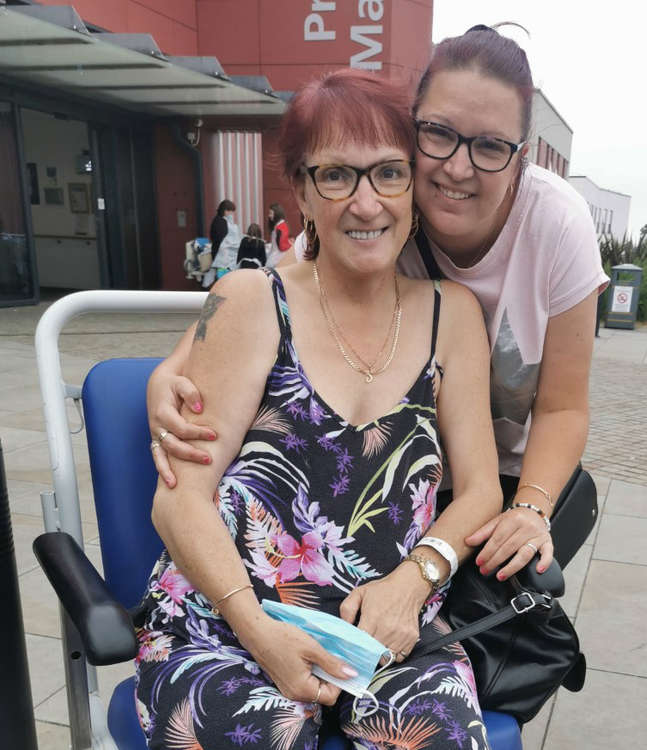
(16, 271)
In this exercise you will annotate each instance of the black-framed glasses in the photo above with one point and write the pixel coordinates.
(487, 153)
(336, 182)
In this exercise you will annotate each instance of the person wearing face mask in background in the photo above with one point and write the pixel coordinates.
(523, 241)
(225, 239)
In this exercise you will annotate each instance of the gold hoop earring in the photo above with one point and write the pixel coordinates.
(415, 224)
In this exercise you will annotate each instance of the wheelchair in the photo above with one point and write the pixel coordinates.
(97, 613)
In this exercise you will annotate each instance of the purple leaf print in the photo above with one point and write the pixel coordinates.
(244, 735)
(340, 485)
(344, 461)
(439, 709)
(296, 410)
(294, 442)
(316, 413)
(419, 707)
(394, 513)
(229, 687)
(457, 733)
(327, 443)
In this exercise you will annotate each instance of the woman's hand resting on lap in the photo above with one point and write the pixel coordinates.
(286, 653)
(389, 608)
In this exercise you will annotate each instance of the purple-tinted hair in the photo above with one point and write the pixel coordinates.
(485, 50)
(347, 106)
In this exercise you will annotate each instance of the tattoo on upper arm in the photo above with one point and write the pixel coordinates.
(208, 311)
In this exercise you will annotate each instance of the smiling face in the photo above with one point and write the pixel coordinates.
(367, 231)
(462, 206)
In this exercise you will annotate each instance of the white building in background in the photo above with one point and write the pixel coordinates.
(550, 136)
(550, 147)
(610, 209)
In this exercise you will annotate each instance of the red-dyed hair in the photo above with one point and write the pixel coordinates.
(347, 106)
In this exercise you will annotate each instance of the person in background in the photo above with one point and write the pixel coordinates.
(279, 234)
(251, 252)
(225, 240)
(335, 381)
(523, 241)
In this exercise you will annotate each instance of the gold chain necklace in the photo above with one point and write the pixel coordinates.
(366, 370)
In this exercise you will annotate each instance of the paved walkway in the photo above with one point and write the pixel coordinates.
(606, 581)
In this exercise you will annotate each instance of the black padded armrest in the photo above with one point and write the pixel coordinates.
(551, 580)
(103, 623)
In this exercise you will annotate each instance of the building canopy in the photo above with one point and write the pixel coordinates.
(51, 47)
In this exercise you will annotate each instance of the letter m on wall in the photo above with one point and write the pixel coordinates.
(372, 47)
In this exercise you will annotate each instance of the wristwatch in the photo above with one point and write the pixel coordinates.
(428, 570)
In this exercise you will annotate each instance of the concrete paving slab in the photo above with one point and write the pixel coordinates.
(45, 666)
(611, 618)
(622, 539)
(52, 736)
(609, 714)
(627, 499)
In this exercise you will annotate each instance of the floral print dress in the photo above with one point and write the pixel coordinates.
(316, 507)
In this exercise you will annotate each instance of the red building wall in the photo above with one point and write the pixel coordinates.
(289, 41)
(173, 23)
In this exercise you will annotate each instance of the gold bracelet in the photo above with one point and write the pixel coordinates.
(226, 596)
(544, 492)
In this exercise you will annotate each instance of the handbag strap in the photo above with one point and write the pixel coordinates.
(523, 602)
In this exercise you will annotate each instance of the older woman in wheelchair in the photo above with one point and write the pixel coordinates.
(316, 494)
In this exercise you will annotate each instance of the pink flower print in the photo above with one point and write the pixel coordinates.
(466, 675)
(174, 584)
(154, 646)
(304, 558)
(423, 502)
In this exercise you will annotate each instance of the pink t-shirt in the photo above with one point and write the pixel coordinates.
(544, 262)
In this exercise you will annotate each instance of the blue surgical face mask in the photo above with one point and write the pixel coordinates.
(357, 648)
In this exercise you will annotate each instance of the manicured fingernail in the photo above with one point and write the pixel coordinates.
(197, 406)
(168, 481)
(483, 570)
(478, 561)
(540, 569)
(206, 460)
(500, 576)
(349, 671)
(212, 436)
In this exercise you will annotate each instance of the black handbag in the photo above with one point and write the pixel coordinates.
(521, 643)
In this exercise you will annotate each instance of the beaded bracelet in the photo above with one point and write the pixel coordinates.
(538, 510)
(544, 492)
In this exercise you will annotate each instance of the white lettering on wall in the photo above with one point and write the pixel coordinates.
(369, 37)
(313, 29)
(374, 9)
(372, 47)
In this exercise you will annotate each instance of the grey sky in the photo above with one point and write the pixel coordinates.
(589, 59)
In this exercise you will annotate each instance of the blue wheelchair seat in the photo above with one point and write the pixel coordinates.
(124, 480)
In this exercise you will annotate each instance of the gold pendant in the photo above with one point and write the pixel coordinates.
(369, 377)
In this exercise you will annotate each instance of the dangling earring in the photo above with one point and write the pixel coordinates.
(415, 224)
(310, 230)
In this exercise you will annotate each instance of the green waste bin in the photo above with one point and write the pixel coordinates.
(623, 296)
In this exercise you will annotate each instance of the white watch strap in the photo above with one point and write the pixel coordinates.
(443, 548)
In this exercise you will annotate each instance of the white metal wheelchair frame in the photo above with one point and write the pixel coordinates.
(61, 509)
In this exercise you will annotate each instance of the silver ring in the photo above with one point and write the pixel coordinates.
(391, 654)
(162, 435)
(532, 547)
(316, 700)
(154, 444)
(403, 654)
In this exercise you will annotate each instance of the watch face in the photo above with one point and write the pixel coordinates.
(431, 572)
